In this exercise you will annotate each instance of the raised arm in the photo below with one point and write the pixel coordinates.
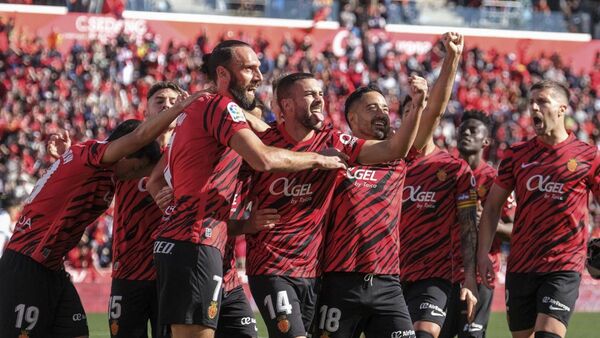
(441, 91)
(265, 158)
(146, 132)
(467, 218)
(487, 228)
(399, 144)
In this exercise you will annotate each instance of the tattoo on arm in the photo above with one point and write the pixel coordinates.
(467, 218)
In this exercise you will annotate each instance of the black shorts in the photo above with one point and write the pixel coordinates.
(287, 304)
(456, 322)
(353, 303)
(131, 305)
(236, 319)
(190, 279)
(36, 301)
(550, 293)
(427, 299)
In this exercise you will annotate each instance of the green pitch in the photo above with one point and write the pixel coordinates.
(583, 325)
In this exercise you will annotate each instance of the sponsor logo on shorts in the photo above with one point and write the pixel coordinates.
(473, 327)
(555, 305)
(77, 317)
(114, 327)
(212, 310)
(283, 324)
(163, 247)
(436, 311)
(403, 333)
(247, 321)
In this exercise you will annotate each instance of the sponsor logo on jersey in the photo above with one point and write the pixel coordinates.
(416, 195)
(347, 140)
(544, 184)
(236, 113)
(290, 188)
(361, 174)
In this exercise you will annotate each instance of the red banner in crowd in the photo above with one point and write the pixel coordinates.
(184, 28)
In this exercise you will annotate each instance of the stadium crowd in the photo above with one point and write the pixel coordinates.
(89, 90)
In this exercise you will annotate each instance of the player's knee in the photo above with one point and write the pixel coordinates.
(423, 334)
(545, 334)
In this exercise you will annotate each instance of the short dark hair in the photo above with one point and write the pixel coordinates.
(285, 84)
(150, 151)
(356, 95)
(163, 85)
(558, 87)
(221, 55)
(479, 115)
(406, 101)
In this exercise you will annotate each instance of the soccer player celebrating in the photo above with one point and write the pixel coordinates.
(283, 262)
(37, 295)
(473, 138)
(361, 291)
(552, 175)
(439, 207)
(133, 298)
(202, 165)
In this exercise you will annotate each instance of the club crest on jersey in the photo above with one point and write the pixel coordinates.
(441, 175)
(481, 191)
(236, 113)
(114, 327)
(212, 310)
(572, 165)
(283, 324)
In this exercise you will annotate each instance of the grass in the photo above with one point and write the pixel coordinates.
(583, 325)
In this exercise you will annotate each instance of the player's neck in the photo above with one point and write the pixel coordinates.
(554, 137)
(429, 148)
(298, 132)
(472, 159)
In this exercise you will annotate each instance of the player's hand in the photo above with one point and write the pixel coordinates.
(332, 158)
(164, 198)
(468, 294)
(418, 89)
(485, 267)
(454, 43)
(263, 219)
(58, 144)
(184, 99)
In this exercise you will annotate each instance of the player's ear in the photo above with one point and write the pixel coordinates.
(486, 142)
(223, 74)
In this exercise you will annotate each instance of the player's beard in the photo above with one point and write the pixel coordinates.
(241, 94)
(381, 132)
(312, 122)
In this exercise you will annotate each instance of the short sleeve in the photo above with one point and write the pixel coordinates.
(506, 178)
(594, 177)
(92, 153)
(223, 118)
(466, 196)
(348, 145)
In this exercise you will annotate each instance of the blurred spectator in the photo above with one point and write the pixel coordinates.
(10, 209)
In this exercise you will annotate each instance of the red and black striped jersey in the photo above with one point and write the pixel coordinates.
(231, 280)
(484, 177)
(552, 184)
(294, 246)
(362, 231)
(136, 218)
(436, 186)
(202, 170)
(71, 195)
